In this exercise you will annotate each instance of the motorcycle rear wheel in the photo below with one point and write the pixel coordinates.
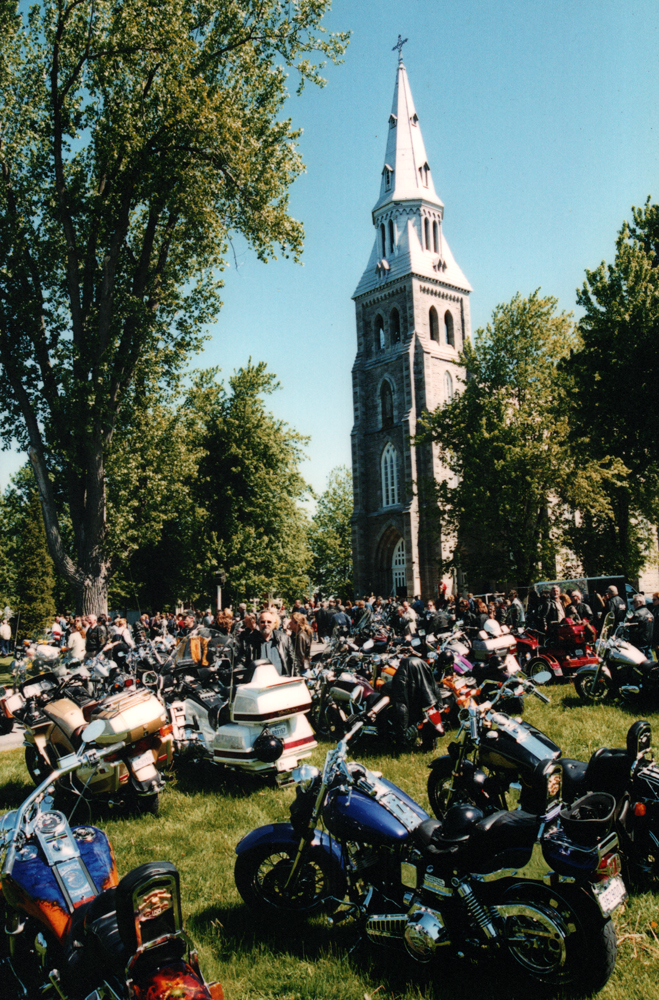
(538, 665)
(261, 875)
(593, 691)
(584, 961)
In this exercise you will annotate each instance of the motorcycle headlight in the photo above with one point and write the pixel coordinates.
(305, 775)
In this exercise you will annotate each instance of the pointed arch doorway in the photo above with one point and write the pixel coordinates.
(391, 564)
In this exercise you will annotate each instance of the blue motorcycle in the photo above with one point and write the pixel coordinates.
(539, 888)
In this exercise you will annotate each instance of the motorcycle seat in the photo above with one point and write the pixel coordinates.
(423, 834)
(96, 920)
(574, 776)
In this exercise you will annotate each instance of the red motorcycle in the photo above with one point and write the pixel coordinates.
(565, 648)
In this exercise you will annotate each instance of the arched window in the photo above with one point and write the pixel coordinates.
(394, 327)
(383, 241)
(448, 326)
(398, 566)
(434, 324)
(389, 470)
(426, 230)
(392, 240)
(379, 333)
(387, 404)
(435, 237)
(448, 387)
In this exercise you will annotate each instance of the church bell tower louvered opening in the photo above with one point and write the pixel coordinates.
(412, 314)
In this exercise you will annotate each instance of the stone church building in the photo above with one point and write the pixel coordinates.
(412, 313)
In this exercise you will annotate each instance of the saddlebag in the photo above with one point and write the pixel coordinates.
(129, 716)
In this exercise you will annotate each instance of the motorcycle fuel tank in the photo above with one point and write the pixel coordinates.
(351, 815)
(34, 888)
(513, 745)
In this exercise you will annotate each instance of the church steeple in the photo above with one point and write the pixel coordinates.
(412, 318)
(409, 214)
(406, 175)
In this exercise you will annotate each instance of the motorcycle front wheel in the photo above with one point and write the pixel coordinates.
(35, 764)
(593, 690)
(579, 956)
(261, 875)
(440, 794)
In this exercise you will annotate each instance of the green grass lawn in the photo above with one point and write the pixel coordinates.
(203, 815)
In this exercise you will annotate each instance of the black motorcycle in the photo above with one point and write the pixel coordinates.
(539, 889)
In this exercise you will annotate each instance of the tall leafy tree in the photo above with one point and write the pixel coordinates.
(330, 536)
(36, 579)
(133, 141)
(249, 487)
(614, 373)
(516, 476)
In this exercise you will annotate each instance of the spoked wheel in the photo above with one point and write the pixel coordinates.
(560, 938)
(440, 793)
(262, 874)
(538, 666)
(593, 690)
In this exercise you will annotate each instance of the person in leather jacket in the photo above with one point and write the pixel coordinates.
(642, 622)
(268, 643)
(615, 605)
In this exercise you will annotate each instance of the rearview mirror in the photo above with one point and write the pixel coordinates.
(92, 732)
(542, 678)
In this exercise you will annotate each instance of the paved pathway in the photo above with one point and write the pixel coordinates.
(13, 739)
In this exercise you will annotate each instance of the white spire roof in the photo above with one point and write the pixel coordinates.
(406, 153)
(407, 182)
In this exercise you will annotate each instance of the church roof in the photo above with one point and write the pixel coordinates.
(406, 189)
(406, 153)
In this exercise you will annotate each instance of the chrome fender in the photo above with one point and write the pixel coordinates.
(591, 670)
(283, 834)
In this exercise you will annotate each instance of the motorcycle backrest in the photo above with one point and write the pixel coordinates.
(639, 739)
(549, 776)
(148, 904)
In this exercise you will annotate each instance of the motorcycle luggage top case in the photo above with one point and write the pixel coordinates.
(485, 648)
(129, 716)
(268, 696)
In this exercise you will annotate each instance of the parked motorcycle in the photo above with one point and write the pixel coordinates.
(539, 889)
(621, 670)
(55, 712)
(493, 755)
(564, 652)
(250, 719)
(70, 925)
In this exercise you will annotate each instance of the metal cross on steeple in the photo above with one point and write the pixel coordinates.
(399, 45)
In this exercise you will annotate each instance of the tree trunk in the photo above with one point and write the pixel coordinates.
(92, 595)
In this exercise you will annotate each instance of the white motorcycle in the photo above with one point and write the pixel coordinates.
(248, 719)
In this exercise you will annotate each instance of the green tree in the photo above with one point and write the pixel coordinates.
(249, 486)
(36, 579)
(133, 141)
(330, 536)
(614, 374)
(516, 478)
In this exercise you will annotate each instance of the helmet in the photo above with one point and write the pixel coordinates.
(459, 822)
(492, 628)
(268, 748)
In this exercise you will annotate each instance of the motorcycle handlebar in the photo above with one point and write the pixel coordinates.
(542, 697)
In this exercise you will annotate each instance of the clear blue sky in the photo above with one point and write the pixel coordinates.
(541, 123)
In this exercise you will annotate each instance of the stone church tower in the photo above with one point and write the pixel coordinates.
(412, 307)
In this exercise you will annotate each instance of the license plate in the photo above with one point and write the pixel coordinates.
(143, 760)
(280, 730)
(610, 894)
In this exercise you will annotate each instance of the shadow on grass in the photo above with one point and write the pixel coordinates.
(387, 968)
(12, 793)
(194, 778)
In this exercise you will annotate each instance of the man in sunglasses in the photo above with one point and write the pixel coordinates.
(269, 642)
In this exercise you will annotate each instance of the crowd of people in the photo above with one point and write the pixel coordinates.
(284, 635)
